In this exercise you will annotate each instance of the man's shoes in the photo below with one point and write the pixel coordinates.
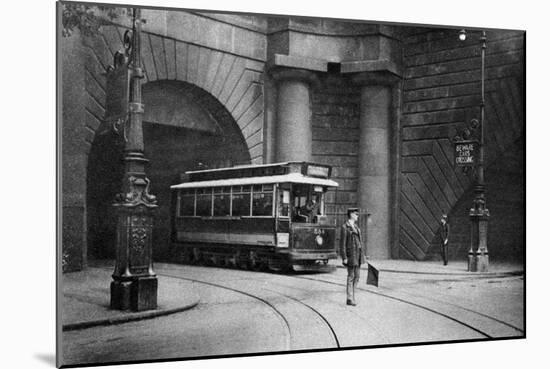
(349, 302)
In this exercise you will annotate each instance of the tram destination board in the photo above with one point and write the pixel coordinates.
(318, 171)
(466, 153)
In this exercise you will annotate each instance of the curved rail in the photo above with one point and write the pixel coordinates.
(316, 312)
(333, 333)
(466, 309)
(485, 334)
(241, 292)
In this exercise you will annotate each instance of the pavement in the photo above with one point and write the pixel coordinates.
(86, 298)
(86, 294)
(457, 268)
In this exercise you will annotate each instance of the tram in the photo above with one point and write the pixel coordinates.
(255, 217)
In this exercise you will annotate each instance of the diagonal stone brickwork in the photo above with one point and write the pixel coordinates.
(441, 95)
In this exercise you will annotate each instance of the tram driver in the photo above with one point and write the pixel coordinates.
(309, 211)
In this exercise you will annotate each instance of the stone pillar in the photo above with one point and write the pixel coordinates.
(73, 153)
(374, 159)
(293, 137)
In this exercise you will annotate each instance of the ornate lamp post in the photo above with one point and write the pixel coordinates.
(134, 284)
(478, 255)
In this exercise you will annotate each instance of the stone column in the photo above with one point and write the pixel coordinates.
(293, 137)
(374, 159)
(73, 152)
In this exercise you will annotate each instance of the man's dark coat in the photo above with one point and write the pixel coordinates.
(444, 232)
(350, 245)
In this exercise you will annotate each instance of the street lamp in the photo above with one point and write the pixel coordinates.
(478, 255)
(134, 284)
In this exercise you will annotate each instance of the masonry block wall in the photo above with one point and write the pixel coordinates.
(441, 94)
(335, 124)
(224, 64)
(72, 156)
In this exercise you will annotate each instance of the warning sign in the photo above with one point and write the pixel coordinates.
(466, 153)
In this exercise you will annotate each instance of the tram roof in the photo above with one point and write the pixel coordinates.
(285, 178)
(243, 166)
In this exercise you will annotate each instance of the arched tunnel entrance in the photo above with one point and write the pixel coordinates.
(184, 128)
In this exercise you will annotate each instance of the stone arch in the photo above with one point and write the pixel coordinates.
(235, 81)
(231, 86)
(183, 105)
(185, 128)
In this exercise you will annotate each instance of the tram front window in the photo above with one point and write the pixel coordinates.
(307, 204)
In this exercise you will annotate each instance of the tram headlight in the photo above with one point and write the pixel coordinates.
(319, 240)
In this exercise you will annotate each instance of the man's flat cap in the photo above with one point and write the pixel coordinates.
(353, 210)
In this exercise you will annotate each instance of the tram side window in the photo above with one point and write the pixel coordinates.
(284, 203)
(262, 200)
(204, 202)
(241, 201)
(222, 201)
(187, 203)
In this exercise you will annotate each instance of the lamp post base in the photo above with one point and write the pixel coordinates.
(478, 256)
(478, 263)
(482, 263)
(139, 294)
(471, 262)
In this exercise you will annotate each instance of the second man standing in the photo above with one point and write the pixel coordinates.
(352, 253)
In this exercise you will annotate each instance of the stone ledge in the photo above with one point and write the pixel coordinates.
(298, 62)
(371, 66)
(130, 317)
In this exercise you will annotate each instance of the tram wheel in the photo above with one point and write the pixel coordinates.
(209, 260)
(185, 257)
(196, 256)
(263, 266)
(230, 261)
(218, 260)
(277, 265)
(240, 261)
(253, 261)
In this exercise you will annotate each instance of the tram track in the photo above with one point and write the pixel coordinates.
(467, 323)
(474, 327)
(277, 311)
(429, 309)
(262, 300)
(500, 321)
(395, 296)
(334, 335)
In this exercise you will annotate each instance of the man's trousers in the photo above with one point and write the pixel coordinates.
(353, 279)
(445, 253)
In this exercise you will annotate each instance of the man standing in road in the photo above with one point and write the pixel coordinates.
(444, 232)
(352, 253)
